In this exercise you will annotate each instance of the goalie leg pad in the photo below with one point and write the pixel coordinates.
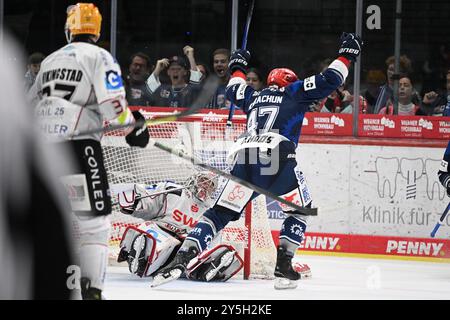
(137, 248)
(217, 264)
(146, 248)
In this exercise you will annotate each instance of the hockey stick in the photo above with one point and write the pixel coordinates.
(210, 87)
(302, 210)
(440, 222)
(244, 46)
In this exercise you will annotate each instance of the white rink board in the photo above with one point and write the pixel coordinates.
(350, 186)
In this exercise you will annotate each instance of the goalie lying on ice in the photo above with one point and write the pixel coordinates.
(170, 212)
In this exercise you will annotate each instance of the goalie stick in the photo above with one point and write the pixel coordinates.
(181, 154)
(210, 87)
(244, 46)
(440, 222)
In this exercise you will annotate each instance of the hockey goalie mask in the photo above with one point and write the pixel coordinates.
(204, 185)
(83, 18)
(281, 77)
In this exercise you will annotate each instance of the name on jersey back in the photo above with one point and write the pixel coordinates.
(62, 74)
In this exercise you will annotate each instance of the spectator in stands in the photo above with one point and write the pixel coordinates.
(374, 81)
(341, 101)
(33, 67)
(385, 96)
(255, 79)
(184, 84)
(434, 104)
(406, 93)
(135, 82)
(221, 58)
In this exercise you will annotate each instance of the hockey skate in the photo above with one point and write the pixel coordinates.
(174, 269)
(285, 276)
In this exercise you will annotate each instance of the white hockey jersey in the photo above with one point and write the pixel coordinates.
(88, 77)
(177, 211)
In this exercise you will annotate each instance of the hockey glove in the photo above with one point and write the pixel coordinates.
(239, 61)
(351, 46)
(140, 136)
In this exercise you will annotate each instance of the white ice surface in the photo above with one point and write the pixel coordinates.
(332, 278)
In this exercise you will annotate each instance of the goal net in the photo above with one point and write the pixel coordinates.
(205, 137)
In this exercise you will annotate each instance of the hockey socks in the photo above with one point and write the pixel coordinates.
(202, 235)
(292, 234)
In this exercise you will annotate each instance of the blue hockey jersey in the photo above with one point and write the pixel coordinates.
(281, 110)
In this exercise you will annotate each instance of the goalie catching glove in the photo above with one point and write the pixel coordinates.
(140, 136)
(131, 201)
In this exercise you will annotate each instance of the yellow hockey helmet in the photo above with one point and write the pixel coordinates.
(83, 18)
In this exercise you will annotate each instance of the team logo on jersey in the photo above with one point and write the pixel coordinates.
(208, 239)
(297, 230)
(310, 83)
(194, 208)
(237, 193)
(113, 80)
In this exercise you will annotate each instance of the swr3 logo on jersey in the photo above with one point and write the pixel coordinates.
(179, 216)
(113, 80)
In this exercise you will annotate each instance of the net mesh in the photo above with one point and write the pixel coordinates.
(207, 139)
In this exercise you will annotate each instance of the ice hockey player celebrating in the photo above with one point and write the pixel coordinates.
(170, 211)
(78, 88)
(266, 157)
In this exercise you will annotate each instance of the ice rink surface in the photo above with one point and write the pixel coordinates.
(333, 278)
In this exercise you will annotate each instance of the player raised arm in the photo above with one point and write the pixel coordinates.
(323, 84)
(238, 92)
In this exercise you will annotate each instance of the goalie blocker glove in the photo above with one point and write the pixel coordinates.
(140, 136)
(351, 45)
(239, 61)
